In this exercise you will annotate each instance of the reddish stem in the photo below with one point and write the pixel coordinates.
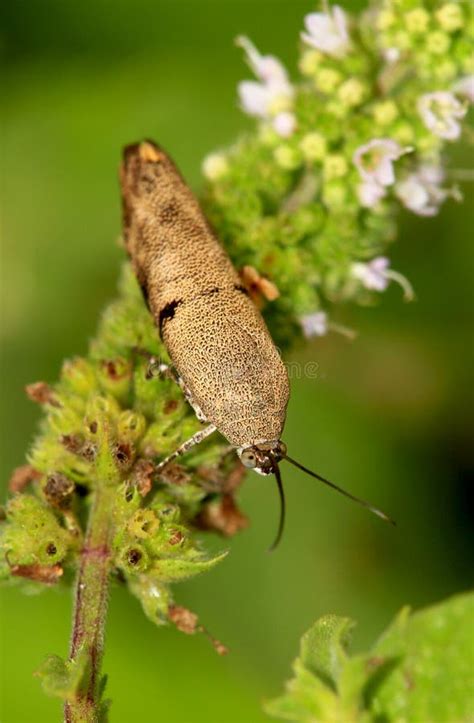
(90, 609)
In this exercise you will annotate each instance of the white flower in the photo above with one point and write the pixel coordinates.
(318, 324)
(374, 160)
(465, 87)
(327, 31)
(273, 92)
(315, 324)
(376, 276)
(267, 68)
(370, 194)
(440, 112)
(254, 98)
(373, 274)
(421, 193)
(284, 124)
(391, 55)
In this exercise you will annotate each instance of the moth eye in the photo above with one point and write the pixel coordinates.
(248, 459)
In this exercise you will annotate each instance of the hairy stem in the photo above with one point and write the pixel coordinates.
(90, 608)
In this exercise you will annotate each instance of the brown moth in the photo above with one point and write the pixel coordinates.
(225, 358)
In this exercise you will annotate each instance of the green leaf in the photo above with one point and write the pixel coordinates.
(434, 681)
(62, 678)
(323, 647)
(420, 670)
(176, 569)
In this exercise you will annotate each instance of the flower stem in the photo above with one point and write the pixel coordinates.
(90, 608)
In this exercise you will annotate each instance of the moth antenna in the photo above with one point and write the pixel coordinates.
(363, 503)
(281, 524)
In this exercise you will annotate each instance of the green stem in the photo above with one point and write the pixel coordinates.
(90, 608)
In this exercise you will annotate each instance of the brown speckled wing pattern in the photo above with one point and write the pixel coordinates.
(215, 335)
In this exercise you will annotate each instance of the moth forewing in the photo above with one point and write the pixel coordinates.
(215, 335)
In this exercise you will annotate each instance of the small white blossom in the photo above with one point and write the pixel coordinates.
(315, 324)
(373, 274)
(254, 98)
(327, 31)
(284, 124)
(421, 193)
(267, 68)
(391, 55)
(374, 160)
(318, 324)
(440, 112)
(376, 276)
(370, 194)
(465, 87)
(273, 92)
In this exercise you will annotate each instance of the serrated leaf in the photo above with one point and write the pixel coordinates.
(323, 647)
(434, 680)
(420, 670)
(307, 698)
(176, 569)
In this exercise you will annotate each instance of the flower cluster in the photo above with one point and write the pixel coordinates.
(306, 207)
(310, 197)
(108, 421)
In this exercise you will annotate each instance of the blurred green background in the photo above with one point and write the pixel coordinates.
(387, 416)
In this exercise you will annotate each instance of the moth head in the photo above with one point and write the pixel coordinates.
(263, 457)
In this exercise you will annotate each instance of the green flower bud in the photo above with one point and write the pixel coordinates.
(352, 92)
(403, 132)
(335, 166)
(450, 17)
(402, 40)
(143, 524)
(169, 513)
(428, 143)
(133, 558)
(32, 535)
(127, 500)
(287, 157)
(79, 376)
(417, 21)
(215, 166)
(334, 194)
(101, 410)
(267, 135)
(438, 42)
(310, 62)
(307, 220)
(131, 426)
(445, 71)
(385, 19)
(337, 109)
(313, 146)
(385, 112)
(115, 376)
(327, 80)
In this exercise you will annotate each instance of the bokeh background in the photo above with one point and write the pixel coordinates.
(387, 415)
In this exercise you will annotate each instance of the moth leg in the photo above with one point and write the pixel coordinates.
(186, 446)
(196, 408)
(157, 368)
